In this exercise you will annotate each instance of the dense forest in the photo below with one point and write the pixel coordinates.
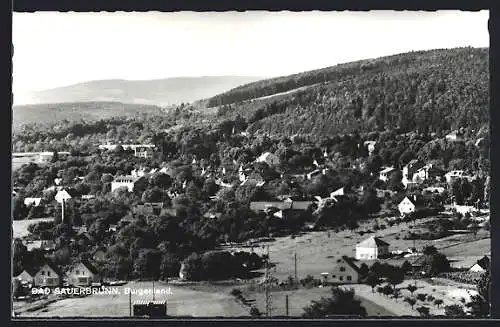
(429, 91)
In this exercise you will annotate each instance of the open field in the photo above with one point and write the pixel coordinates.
(20, 227)
(181, 302)
(316, 251)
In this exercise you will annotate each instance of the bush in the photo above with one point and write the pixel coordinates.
(424, 311)
(430, 298)
(454, 310)
(421, 296)
(438, 302)
(254, 312)
(235, 292)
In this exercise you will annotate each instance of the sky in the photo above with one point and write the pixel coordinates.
(53, 49)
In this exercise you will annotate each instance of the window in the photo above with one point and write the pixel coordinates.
(341, 278)
(78, 272)
(48, 273)
(43, 272)
(349, 278)
(334, 276)
(342, 268)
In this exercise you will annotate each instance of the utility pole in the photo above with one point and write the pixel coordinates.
(268, 287)
(295, 261)
(286, 304)
(130, 303)
(153, 287)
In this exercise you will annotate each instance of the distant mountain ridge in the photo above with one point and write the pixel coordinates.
(162, 92)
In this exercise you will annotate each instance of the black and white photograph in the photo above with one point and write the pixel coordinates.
(253, 164)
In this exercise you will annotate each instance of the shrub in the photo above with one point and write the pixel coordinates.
(411, 301)
(254, 312)
(235, 292)
(454, 310)
(424, 311)
(430, 298)
(421, 296)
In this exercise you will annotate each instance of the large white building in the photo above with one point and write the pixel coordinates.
(371, 249)
(125, 181)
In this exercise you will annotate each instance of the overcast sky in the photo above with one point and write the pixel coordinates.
(54, 49)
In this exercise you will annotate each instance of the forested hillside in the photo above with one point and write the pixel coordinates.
(429, 91)
(56, 112)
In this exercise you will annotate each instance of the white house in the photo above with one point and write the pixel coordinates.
(27, 276)
(268, 158)
(481, 266)
(129, 182)
(32, 202)
(461, 209)
(144, 151)
(83, 274)
(370, 145)
(384, 173)
(453, 175)
(371, 249)
(406, 206)
(47, 276)
(62, 195)
(340, 191)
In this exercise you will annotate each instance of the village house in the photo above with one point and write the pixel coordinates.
(83, 274)
(345, 271)
(27, 276)
(48, 276)
(88, 196)
(385, 173)
(46, 157)
(144, 151)
(453, 175)
(313, 173)
(338, 192)
(371, 249)
(32, 202)
(140, 150)
(410, 204)
(464, 209)
(482, 265)
(434, 189)
(129, 182)
(269, 158)
(370, 146)
(262, 206)
(425, 173)
(64, 195)
(409, 171)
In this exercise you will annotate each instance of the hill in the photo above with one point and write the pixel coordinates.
(158, 92)
(49, 113)
(434, 91)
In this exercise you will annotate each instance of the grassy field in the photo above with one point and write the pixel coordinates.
(20, 227)
(181, 302)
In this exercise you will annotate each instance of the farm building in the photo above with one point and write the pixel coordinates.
(130, 182)
(83, 274)
(269, 158)
(48, 276)
(345, 271)
(482, 265)
(371, 249)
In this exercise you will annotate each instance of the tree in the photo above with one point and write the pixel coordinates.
(372, 280)
(438, 302)
(395, 276)
(254, 312)
(411, 301)
(454, 310)
(160, 180)
(342, 302)
(364, 269)
(411, 288)
(406, 266)
(421, 296)
(55, 157)
(394, 182)
(396, 295)
(479, 307)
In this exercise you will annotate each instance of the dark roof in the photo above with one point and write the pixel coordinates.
(484, 262)
(350, 263)
(31, 271)
(53, 267)
(90, 267)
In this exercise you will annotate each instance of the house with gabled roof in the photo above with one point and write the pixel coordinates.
(64, 195)
(371, 249)
(83, 273)
(48, 276)
(129, 182)
(482, 265)
(345, 271)
(410, 204)
(27, 275)
(385, 173)
(269, 158)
